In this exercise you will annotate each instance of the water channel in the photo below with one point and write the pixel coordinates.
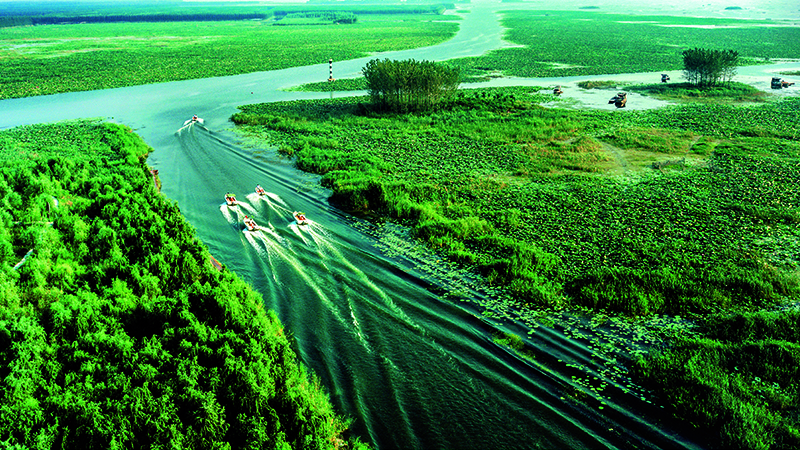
(373, 315)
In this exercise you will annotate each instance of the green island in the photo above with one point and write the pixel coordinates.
(687, 210)
(116, 328)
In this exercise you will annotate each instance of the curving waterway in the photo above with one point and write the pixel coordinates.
(402, 341)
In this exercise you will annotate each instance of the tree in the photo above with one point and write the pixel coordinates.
(709, 67)
(405, 86)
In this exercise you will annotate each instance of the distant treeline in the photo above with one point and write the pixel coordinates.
(317, 17)
(180, 17)
(367, 9)
(333, 13)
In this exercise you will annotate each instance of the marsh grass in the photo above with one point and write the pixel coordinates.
(740, 380)
(617, 45)
(560, 209)
(48, 59)
(525, 195)
(726, 93)
(598, 84)
(513, 342)
(340, 84)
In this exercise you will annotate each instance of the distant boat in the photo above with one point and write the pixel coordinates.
(193, 120)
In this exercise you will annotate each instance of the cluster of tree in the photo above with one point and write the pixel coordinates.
(115, 18)
(362, 8)
(344, 17)
(410, 85)
(117, 332)
(705, 67)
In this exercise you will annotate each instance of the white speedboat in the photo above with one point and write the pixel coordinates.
(193, 120)
(230, 199)
(250, 224)
(300, 218)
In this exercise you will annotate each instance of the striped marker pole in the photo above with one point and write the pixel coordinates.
(330, 63)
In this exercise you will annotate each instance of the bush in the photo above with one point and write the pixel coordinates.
(405, 86)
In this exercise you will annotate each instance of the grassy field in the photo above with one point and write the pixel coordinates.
(47, 59)
(566, 43)
(687, 210)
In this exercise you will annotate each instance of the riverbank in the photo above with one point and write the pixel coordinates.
(139, 341)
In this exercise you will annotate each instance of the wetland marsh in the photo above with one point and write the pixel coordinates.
(546, 287)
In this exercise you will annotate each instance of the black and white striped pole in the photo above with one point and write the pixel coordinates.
(330, 63)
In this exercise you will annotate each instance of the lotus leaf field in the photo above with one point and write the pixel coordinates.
(568, 43)
(687, 210)
(48, 59)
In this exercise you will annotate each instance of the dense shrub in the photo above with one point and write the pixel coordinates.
(115, 330)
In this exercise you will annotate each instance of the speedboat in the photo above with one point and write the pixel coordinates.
(193, 120)
(260, 190)
(230, 199)
(250, 224)
(300, 218)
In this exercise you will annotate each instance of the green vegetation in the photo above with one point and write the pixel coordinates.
(339, 84)
(730, 92)
(27, 13)
(568, 43)
(322, 17)
(704, 67)
(686, 210)
(115, 329)
(360, 8)
(597, 84)
(405, 86)
(742, 379)
(48, 13)
(49, 59)
(513, 342)
(486, 181)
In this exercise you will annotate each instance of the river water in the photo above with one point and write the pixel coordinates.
(402, 341)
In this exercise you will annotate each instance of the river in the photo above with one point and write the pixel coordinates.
(402, 341)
